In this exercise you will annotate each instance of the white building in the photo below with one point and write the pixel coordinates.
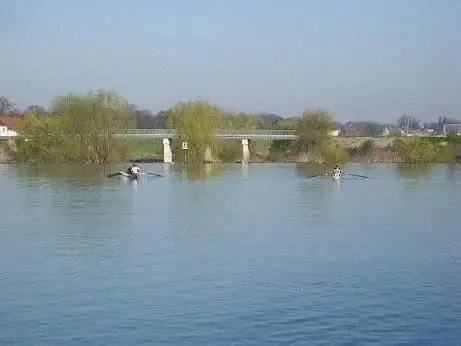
(334, 133)
(452, 129)
(6, 132)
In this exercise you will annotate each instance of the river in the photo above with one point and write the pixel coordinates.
(230, 255)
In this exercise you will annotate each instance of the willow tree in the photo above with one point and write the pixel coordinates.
(46, 140)
(314, 136)
(93, 120)
(195, 122)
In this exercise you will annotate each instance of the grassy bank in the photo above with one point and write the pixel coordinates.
(409, 150)
(143, 149)
(403, 150)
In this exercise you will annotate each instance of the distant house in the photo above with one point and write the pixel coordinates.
(10, 125)
(334, 133)
(452, 129)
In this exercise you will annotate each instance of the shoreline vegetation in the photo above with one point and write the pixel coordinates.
(80, 128)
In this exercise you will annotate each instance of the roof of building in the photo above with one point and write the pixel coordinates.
(13, 122)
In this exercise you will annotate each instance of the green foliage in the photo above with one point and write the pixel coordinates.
(46, 140)
(313, 130)
(37, 110)
(415, 150)
(281, 149)
(230, 151)
(366, 148)
(80, 128)
(196, 122)
(241, 121)
(334, 154)
(288, 124)
(143, 147)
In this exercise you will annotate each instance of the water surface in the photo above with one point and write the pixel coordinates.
(230, 255)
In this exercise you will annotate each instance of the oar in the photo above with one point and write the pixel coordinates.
(317, 175)
(154, 174)
(357, 175)
(114, 174)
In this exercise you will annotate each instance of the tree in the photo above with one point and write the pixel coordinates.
(82, 128)
(93, 120)
(314, 129)
(6, 106)
(196, 122)
(241, 121)
(37, 110)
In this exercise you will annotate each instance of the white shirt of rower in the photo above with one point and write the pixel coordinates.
(135, 170)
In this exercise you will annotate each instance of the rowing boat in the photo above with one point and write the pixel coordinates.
(337, 176)
(132, 176)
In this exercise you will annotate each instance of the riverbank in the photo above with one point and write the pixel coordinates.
(378, 155)
(347, 150)
(381, 157)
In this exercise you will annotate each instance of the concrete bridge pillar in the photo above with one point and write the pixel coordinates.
(208, 156)
(246, 151)
(167, 154)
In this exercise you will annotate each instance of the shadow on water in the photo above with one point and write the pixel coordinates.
(412, 171)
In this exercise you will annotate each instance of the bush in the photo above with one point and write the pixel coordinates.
(364, 149)
(415, 150)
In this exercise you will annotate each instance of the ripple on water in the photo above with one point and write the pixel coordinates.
(255, 257)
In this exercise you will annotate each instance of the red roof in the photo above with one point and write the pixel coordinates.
(13, 122)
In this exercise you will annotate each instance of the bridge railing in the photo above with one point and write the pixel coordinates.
(159, 132)
(268, 133)
(221, 133)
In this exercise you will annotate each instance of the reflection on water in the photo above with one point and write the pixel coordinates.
(454, 171)
(67, 173)
(310, 169)
(414, 170)
(245, 170)
(271, 259)
(191, 171)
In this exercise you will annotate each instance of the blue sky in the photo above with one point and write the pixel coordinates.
(362, 59)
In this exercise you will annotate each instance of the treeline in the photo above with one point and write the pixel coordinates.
(146, 119)
(83, 128)
(77, 128)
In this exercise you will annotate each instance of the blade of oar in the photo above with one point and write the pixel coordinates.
(114, 174)
(357, 175)
(154, 174)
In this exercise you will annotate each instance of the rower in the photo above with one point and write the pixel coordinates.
(133, 169)
(337, 171)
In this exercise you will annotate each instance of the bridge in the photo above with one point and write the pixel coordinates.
(168, 134)
(269, 135)
(244, 135)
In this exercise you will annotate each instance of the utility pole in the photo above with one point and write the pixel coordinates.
(408, 118)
